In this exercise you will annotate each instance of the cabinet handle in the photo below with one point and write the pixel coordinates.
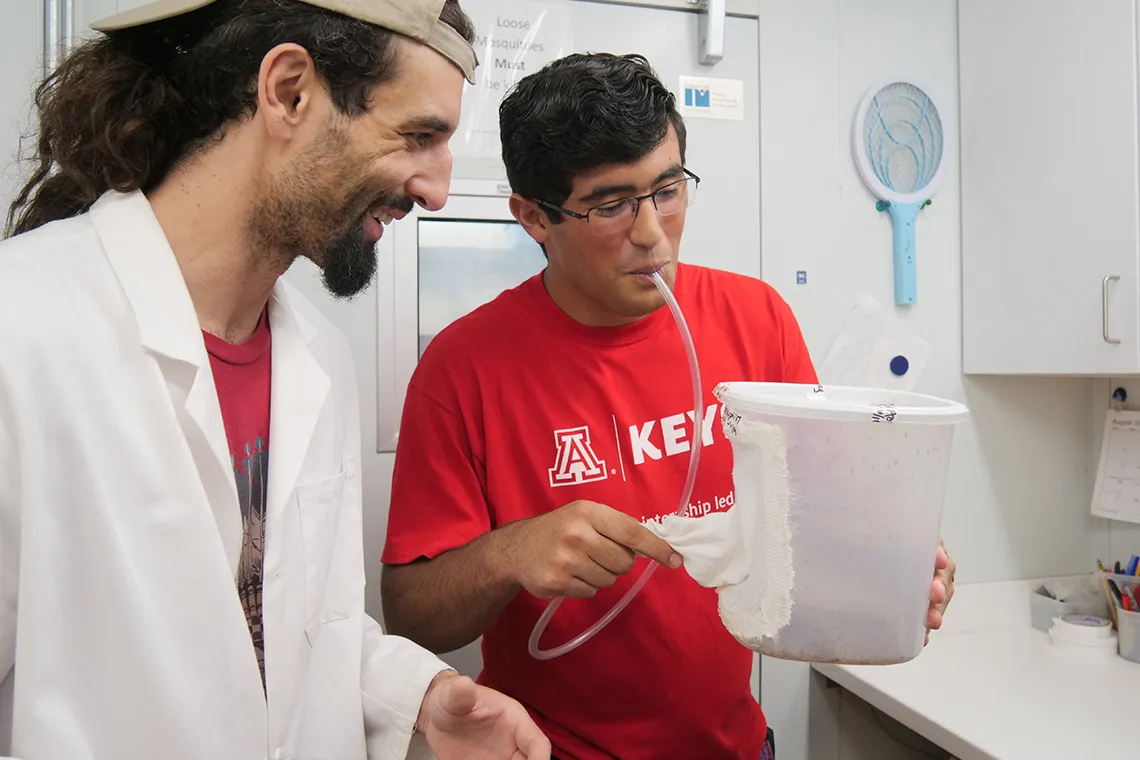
(1104, 307)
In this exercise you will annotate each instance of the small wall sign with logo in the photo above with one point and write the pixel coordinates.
(708, 98)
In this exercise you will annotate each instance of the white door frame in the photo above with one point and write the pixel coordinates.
(397, 297)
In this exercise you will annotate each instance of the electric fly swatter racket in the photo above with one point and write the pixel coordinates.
(900, 150)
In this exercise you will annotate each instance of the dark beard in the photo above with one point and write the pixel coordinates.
(294, 221)
(299, 212)
(349, 264)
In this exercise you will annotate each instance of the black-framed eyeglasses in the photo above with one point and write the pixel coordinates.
(617, 215)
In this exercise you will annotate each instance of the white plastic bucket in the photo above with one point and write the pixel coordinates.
(861, 479)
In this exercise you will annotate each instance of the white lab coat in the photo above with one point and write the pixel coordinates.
(121, 631)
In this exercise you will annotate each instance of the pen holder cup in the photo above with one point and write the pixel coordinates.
(1043, 608)
(1128, 634)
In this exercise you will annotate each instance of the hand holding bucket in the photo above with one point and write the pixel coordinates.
(838, 506)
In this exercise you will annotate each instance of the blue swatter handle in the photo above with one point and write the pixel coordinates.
(903, 216)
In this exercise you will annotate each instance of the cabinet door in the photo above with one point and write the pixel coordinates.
(1049, 186)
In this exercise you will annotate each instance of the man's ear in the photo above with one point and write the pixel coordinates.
(531, 217)
(286, 86)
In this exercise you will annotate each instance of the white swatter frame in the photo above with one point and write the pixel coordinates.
(864, 164)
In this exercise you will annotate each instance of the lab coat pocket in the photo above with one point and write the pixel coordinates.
(321, 510)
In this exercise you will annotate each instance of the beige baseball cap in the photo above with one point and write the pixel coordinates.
(418, 19)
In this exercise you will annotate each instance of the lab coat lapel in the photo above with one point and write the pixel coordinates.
(298, 392)
(168, 328)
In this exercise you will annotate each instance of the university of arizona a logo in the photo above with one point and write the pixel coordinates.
(575, 463)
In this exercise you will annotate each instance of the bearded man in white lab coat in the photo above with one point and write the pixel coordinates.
(181, 568)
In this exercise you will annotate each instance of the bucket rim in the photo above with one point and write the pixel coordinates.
(840, 403)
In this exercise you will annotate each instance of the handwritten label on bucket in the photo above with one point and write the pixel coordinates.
(730, 420)
(885, 413)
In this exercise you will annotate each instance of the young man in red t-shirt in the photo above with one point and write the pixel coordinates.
(571, 392)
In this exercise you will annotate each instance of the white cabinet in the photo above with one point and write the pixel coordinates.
(1050, 211)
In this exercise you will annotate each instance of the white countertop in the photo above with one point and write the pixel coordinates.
(994, 688)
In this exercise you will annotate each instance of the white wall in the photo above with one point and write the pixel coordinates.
(1017, 504)
(817, 58)
(21, 59)
(21, 36)
(1123, 537)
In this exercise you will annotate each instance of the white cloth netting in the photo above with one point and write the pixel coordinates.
(745, 553)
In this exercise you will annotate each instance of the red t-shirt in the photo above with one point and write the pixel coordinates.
(242, 376)
(516, 410)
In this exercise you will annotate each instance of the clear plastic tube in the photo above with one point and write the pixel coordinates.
(686, 493)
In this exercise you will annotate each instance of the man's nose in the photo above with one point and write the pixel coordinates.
(430, 187)
(646, 230)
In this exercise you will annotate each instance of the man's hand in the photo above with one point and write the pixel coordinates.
(941, 590)
(464, 721)
(577, 549)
